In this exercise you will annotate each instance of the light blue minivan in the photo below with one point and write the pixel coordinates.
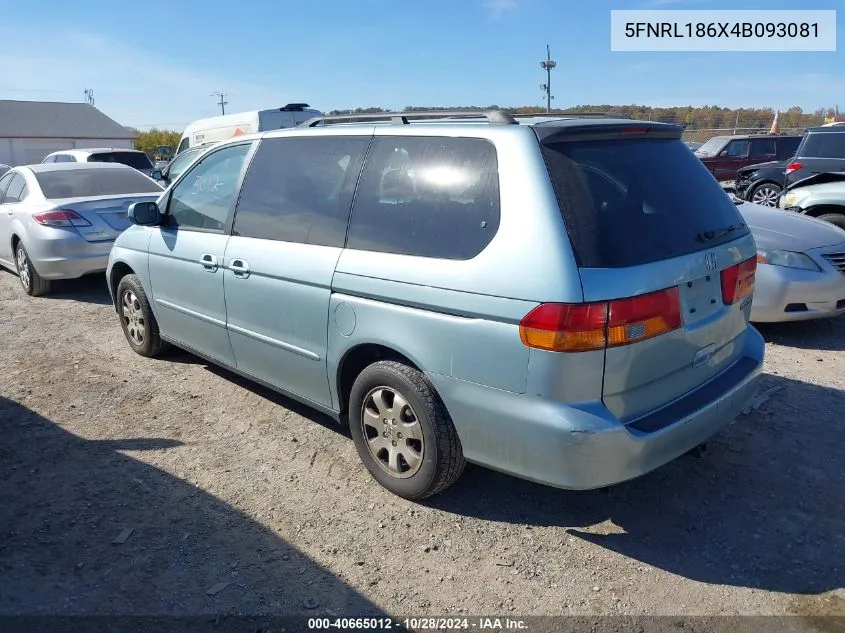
(564, 299)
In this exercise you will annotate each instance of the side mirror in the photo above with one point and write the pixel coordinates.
(144, 213)
(157, 175)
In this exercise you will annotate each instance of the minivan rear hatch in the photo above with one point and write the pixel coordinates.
(647, 220)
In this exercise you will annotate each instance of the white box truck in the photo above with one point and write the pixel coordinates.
(220, 128)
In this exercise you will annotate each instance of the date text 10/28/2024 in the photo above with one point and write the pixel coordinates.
(417, 624)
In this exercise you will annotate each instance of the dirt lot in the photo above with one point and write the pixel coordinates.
(234, 491)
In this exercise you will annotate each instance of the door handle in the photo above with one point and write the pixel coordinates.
(239, 267)
(209, 262)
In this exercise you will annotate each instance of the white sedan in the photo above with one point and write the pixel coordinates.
(58, 221)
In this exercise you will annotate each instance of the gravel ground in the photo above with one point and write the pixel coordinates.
(137, 486)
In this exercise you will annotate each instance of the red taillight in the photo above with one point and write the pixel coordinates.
(580, 327)
(738, 281)
(60, 218)
(793, 167)
(633, 131)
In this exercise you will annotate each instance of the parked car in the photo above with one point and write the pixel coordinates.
(821, 196)
(724, 155)
(131, 157)
(761, 184)
(693, 145)
(399, 275)
(821, 151)
(4, 168)
(58, 221)
(800, 265)
(175, 167)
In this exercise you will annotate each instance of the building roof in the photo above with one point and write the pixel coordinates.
(47, 119)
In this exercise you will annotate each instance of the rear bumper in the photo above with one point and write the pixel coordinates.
(810, 295)
(585, 446)
(67, 255)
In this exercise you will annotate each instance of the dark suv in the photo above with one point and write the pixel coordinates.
(822, 150)
(724, 155)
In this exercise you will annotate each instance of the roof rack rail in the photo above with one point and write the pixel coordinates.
(498, 117)
(295, 107)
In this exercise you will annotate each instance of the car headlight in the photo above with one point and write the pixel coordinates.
(791, 199)
(787, 259)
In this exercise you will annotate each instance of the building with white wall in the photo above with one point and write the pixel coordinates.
(29, 130)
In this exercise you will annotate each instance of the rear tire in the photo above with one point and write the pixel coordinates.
(837, 219)
(402, 431)
(766, 194)
(137, 319)
(33, 284)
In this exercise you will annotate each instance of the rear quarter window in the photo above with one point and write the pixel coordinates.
(627, 202)
(427, 196)
(823, 145)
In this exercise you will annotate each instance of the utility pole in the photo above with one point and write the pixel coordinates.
(221, 103)
(89, 96)
(547, 65)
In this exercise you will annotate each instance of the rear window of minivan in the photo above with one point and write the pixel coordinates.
(137, 160)
(629, 201)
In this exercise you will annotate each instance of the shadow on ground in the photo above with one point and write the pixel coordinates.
(821, 334)
(763, 507)
(88, 289)
(64, 500)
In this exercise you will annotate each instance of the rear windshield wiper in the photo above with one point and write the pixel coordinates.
(706, 236)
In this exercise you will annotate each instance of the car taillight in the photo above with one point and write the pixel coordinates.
(581, 327)
(60, 218)
(738, 281)
(793, 167)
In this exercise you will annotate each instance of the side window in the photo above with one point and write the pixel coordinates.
(183, 145)
(786, 147)
(49, 159)
(300, 189)
(4, 182)
(16, 191)
(427, 196)
(65, 158)
(178, 164)
(203, 198)
(762, 147)
(737, 149)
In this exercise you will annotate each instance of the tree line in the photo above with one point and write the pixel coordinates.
(693, 117)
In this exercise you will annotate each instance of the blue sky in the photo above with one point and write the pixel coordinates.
(156, 63)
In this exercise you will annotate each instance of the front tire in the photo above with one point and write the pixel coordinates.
(33, 284)
(402, 431)
(137, 319)
(837, 219)
(766, 194)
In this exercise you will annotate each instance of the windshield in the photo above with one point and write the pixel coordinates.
(137, 160)
(627, 202)
(84, 183)
(713, 146)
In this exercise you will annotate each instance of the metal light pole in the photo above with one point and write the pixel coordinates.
(547, 65)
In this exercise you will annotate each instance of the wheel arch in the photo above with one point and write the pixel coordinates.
(355, 360)
(824, 209)
(118, 271)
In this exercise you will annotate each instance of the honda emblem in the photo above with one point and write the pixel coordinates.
(710, 260)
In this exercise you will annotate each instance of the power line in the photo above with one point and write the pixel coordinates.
(221, 103)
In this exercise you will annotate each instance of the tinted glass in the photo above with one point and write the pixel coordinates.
(137, 160)
(4, 182)
(763, 147)
(16, 190)
(737, 149)
(427, 196)
(202, 199)
(824, 145)
(300, 189)
(786, 146)
(84, 183)
(49, 159)
(634, 201)
(65, 158)
(183, 145)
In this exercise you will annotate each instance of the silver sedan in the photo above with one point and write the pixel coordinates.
(800, 265)
(59, 221)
